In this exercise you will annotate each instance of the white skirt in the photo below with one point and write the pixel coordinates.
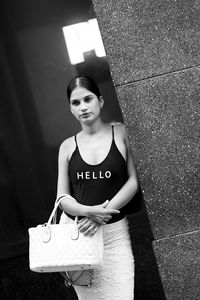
(114, 280)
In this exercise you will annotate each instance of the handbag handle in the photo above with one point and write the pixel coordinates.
(54, 211)
(47, 232)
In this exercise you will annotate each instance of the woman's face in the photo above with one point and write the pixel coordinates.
(85, 105)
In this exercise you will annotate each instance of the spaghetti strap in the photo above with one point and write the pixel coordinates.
(75, 140)
(113, 132)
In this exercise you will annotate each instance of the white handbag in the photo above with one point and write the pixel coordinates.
(62, 247)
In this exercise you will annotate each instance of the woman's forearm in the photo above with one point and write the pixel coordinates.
(98, 213)
(72, 207)
(124, 195)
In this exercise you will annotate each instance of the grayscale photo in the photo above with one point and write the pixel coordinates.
(100, 150)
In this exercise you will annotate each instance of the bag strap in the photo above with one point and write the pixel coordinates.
(58, 200)
(54, 211)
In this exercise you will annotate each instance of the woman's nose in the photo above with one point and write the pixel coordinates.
(83, 107)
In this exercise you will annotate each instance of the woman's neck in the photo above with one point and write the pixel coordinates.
(90, 129)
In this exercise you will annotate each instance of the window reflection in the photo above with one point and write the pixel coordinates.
(83, 37)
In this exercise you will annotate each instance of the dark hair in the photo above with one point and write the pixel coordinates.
(85, 82)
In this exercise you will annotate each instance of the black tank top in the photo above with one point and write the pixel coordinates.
(94, 184)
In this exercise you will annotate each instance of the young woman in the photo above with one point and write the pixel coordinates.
(97, 169)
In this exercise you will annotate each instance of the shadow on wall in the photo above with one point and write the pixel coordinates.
(148, 285)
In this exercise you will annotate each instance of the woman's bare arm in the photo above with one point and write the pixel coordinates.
(130, 188)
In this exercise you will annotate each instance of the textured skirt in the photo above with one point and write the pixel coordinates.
(114, 280)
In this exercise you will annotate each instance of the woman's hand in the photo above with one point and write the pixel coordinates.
(100, 213)
(87, 226)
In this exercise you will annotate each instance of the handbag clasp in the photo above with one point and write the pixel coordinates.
(75, 232)
(46, 234)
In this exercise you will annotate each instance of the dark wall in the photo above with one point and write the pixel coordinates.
(34, 120)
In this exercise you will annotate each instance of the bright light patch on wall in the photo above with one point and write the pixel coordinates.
(73, 45)
(96, 35)
(83, 37)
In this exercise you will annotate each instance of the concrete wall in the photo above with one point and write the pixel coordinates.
(153, 49)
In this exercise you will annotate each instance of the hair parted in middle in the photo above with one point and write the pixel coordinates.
(84, 82)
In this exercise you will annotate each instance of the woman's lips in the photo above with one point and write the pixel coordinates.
(85, 115)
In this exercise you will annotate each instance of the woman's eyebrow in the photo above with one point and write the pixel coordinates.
(74, 99)
(87, 96)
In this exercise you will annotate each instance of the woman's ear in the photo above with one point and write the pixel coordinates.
(101, 102)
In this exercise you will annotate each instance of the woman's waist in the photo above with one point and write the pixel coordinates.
(114, 222)
(115, 225)
(115, 218)
(113, 233)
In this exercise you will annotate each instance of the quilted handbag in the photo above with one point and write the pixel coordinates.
(62, 247)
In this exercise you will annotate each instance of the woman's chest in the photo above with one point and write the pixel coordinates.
(95, 152)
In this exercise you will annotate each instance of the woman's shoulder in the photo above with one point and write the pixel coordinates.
(119, 129)
(67, 142)
(67, 147)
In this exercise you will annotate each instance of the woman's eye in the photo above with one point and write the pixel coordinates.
(88, 99)
(75, 103)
